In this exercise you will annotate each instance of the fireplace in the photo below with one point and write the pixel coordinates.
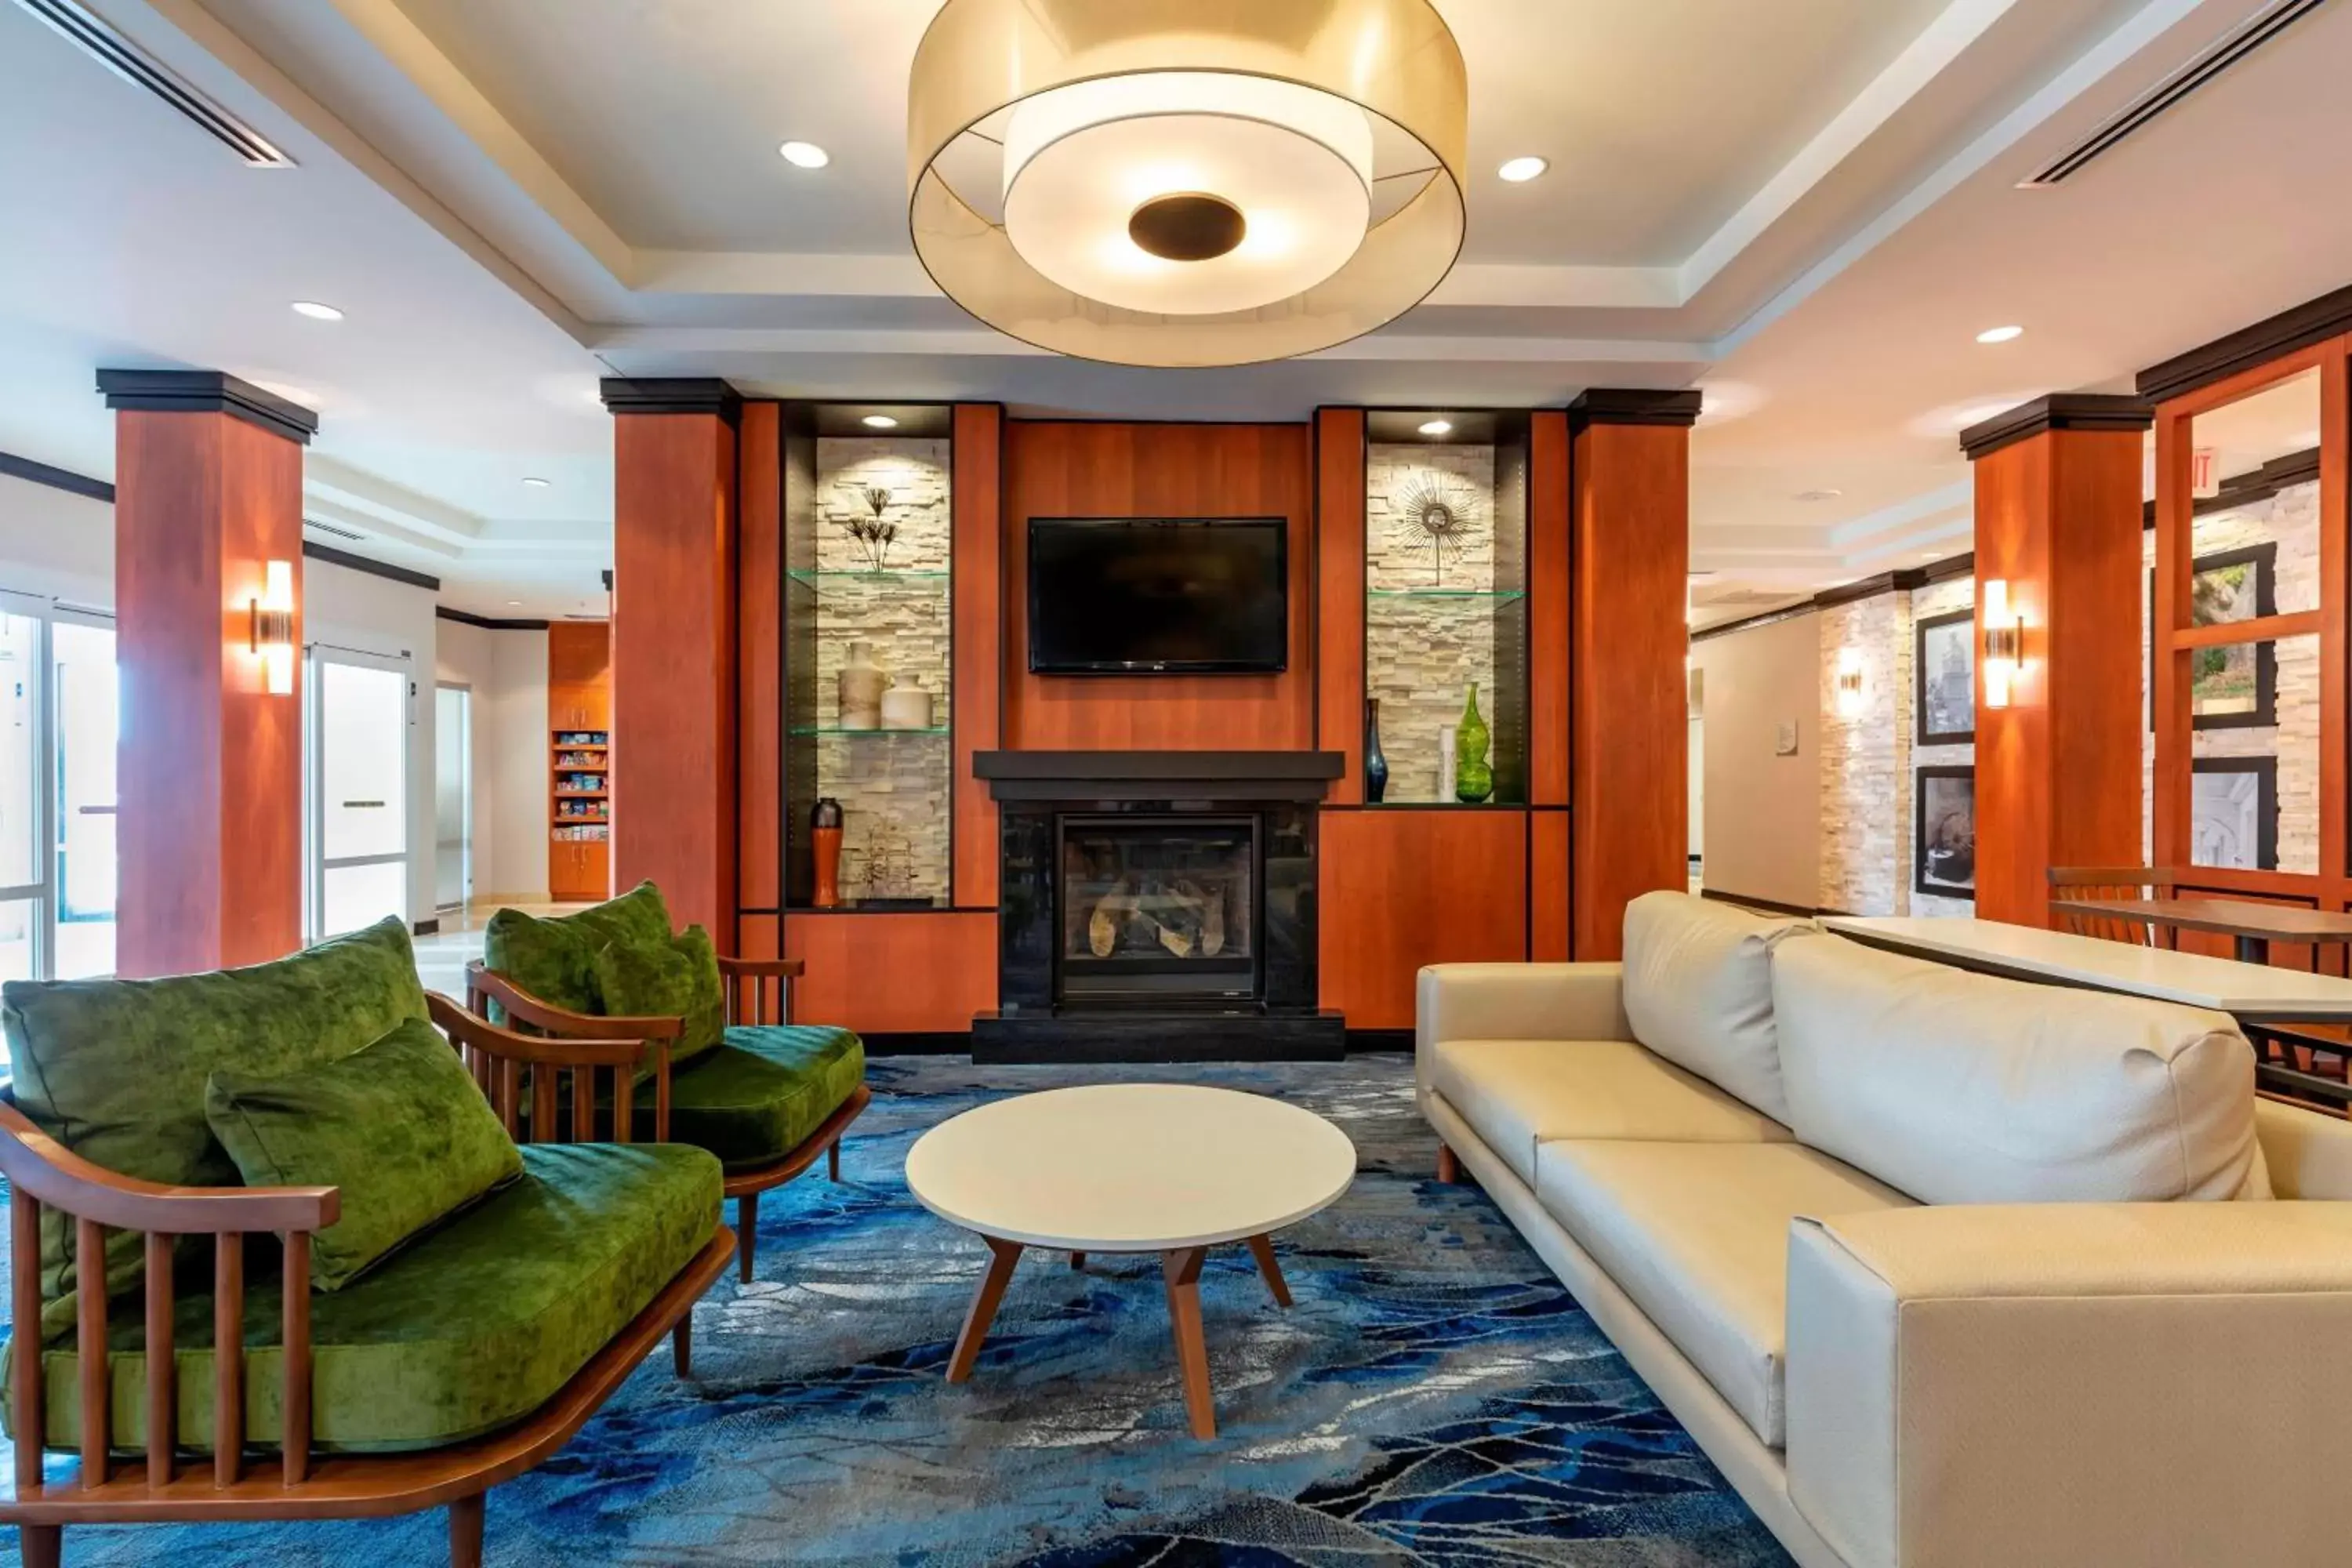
(1158, 910)
(1156, 905)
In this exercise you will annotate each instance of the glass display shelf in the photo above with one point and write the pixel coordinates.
(836, 729)
(932, 582)
(1482, 595)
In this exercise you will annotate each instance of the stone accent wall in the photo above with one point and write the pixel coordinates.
(1422, 653)
(1869, 759)
(893, 788)
(2291, 521)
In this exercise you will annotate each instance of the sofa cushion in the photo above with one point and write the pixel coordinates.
(115, 1070)
(472, 1327)
(676, 977)
(1966, 1089)
(1515, 1093)
(400, 1130)
(1699, 991)
(553, 959)
(1697, 1235)
(758, 1095)
(637, 918)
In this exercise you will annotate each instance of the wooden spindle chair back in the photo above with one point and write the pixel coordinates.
(2112, 885)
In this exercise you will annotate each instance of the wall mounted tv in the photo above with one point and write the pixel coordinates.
(1159, 595)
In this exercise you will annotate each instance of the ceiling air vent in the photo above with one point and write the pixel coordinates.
(2249, 35)
(330, 529)
(99, 39)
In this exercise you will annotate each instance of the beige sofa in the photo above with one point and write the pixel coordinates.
(1941, 1270)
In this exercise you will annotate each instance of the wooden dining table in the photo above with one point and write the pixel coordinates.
(2254, 926)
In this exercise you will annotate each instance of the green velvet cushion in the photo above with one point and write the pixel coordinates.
(761, 1092)
(115, 1070)
(677, 979)
(400, 1128)
(468, 1329)
(555, 960)
(637, 918)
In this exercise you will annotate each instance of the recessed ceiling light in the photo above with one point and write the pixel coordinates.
(316, 311)
(534, 481)
(1438, 427)
(805, 154)
(879, 422)
(2001, 334)
(1519, 171)
(512, 604)
(1819, 495)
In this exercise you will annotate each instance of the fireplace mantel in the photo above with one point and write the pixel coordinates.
(1159, 775)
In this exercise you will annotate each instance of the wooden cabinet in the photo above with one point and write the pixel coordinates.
(1403, 886)
(580, 761)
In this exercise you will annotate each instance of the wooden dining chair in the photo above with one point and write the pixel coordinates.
(2108, 884)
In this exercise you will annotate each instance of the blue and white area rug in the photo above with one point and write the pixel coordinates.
(1435, 1396)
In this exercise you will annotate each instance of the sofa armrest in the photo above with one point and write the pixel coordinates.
(2076, 1383)
(1521, 1002)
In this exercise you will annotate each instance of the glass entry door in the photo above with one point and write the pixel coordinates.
(358, 789)
(87, 718)
(453, 815)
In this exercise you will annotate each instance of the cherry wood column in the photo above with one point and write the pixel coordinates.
(674, 654)
(976, 500)
(208, 491)
(1339, 652)
(2059, 517)
(1550, 885)
(1629, 540)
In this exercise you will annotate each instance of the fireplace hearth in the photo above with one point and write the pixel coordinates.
(1156, 905)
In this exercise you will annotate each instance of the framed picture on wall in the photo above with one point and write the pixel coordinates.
(2234, 688)
(1944, 672)
(1944, 826)
(2233, 813)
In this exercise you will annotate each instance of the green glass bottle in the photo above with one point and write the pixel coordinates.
(1474, 781)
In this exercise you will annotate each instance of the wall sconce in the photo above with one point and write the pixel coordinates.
(1849, 682)
(273, 628)
(2004, 644)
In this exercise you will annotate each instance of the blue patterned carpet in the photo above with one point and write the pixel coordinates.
(1435, 1398)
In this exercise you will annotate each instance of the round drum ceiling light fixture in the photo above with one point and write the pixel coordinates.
(1161, 182)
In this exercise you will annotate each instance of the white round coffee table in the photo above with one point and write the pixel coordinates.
(1173, 1169)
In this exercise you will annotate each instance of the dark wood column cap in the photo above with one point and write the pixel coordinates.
(672, 395)
(207, 391)
(1629, 405)
(2059, 411)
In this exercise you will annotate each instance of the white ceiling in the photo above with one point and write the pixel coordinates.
(1806, 207)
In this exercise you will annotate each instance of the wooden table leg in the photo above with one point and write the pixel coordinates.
(1262, 1248)
(1183, 1270)
(1003, 1255)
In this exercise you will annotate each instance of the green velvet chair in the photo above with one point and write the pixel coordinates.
(466, 1353)
(730, 1072)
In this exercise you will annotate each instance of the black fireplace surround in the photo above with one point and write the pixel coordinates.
(1156, 905)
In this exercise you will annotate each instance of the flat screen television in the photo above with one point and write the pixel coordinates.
(1157, 595)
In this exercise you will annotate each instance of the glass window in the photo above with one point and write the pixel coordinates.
(89, 730)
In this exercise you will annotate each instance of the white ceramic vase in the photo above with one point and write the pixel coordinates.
(862, 684)
(906, 706)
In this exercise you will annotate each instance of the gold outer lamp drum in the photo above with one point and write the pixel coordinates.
(1178, 183)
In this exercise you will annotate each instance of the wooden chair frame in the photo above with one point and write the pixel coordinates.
(2118, 883)
(42, 1172)
(755, 987)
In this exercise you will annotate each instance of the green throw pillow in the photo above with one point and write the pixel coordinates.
(400, 1128)
(677, 979)
(555, 960)
(637, 918)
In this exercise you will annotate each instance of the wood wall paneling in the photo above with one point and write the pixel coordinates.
(1402, 888)
(976, 497)
(894, 973)
(1339, 546)
(759, 662)
(758, 936)
(1060, 469)
(2058, 518)
(1629, 724)
(1550, 935)
(1549, 598)
(675, 662)
(210, 770)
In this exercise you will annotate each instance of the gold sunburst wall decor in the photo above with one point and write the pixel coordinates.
(1435, 511)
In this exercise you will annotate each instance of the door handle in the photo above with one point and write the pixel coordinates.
(363, 805)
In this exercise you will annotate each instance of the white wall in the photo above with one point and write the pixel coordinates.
(58, 546)
(1763, 810)
(506, 671)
